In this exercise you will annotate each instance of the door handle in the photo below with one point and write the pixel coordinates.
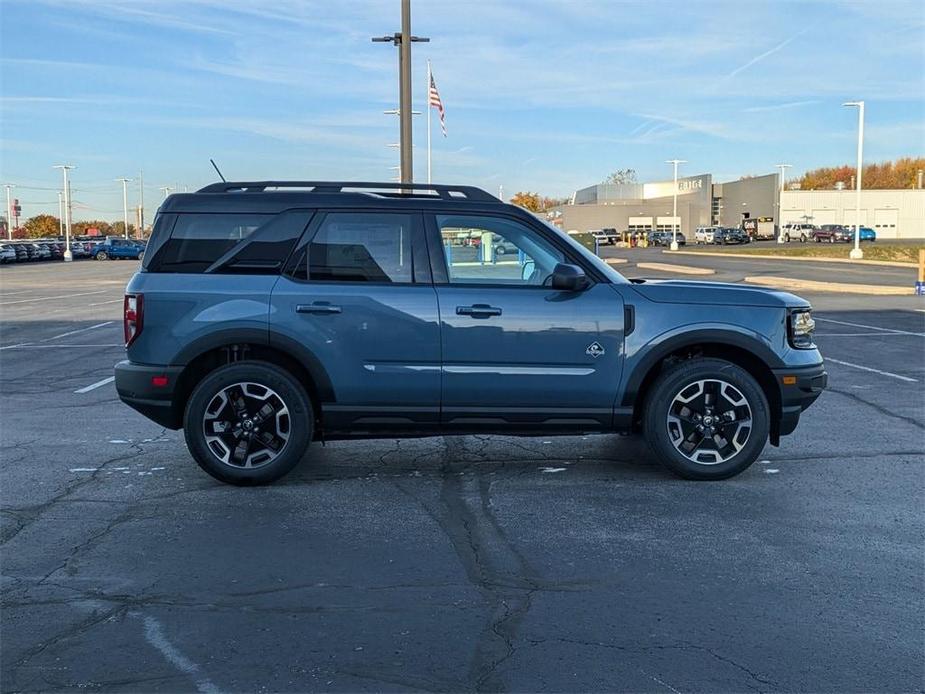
(317, 308)
(478, 311)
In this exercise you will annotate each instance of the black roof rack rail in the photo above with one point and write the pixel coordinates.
(446, 192)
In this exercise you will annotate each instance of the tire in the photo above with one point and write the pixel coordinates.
(664, 428)
(802, 238)
(102, 255)
(498, 251)
(787, 238)
(210, 406)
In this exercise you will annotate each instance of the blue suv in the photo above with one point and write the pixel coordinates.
(268, 315)
(118, 249)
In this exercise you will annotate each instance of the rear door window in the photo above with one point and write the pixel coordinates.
(362, 247)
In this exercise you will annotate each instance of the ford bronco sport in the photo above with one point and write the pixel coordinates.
(267, 315)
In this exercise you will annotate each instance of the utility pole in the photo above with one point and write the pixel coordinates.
(780, 201)
(9, 213)
(140, 232)
(166, 190)
(674, 205)
(403, 41)
(125, 182)
(60, 213)
(856, 252)
(68, 256)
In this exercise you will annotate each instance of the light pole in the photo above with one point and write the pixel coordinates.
(780, 201)
(9, 213)
(166, 190)
(403, 41)
(68, 256)
(60, 213)
(674, 204)
(856, 252)
(125, 182)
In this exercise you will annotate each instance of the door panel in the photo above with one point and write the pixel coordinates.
(379, 342)
(535, 362)
(517, 353)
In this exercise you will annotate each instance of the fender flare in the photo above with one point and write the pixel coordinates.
(662, 346)
(257, 336)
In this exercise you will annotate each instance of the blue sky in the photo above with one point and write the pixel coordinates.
(540, 94)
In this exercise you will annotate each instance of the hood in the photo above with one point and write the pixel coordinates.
(720, 293)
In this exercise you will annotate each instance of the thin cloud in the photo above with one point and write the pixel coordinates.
(781, 107)
(762, 56)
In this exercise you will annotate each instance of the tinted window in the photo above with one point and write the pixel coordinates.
(198, 240)
(362, 247)
(493, 250)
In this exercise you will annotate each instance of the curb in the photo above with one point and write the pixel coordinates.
(838, 287)
(681, 269)
(769, 256)
(615, 261)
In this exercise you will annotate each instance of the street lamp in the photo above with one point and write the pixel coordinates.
(68, 256)
(674, 205)
(856, 252)
(780, 201)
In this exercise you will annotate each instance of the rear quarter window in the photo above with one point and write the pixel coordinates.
(198, 240)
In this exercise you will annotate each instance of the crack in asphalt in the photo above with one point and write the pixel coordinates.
(882, 410)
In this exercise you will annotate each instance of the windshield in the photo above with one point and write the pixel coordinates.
(599, 264)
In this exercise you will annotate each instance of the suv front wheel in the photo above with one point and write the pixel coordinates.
(706, 419)
(248, 423)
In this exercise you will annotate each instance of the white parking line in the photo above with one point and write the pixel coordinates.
(865, 335)
(49, 298)
(102, 303)
(876, 371)
(93, 386)
(870, 327)
(81, 330)
(29, 345)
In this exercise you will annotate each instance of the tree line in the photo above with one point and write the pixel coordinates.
(43, 226)
(902, 173)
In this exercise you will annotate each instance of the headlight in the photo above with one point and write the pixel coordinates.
(801, 329)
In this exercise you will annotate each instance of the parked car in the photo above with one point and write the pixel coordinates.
(802, 232)
(867, 234)
(832, 233)
(79, 250)
(332, 315)
(605, 237)
(704, 235)
(664, 238)
(503, 247)
(116, 249)
(22, 252)
(40, 252)
(7, 253)
(730, 235)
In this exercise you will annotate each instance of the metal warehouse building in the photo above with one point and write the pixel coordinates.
(892, 214)
(648, 206)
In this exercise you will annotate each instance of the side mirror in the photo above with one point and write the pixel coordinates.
(569, 278)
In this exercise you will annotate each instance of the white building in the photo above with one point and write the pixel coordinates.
(891, 213)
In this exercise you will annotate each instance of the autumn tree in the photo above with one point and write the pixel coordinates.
(621, 176)
(80, 228)
(118, 229)
(901, 173)
(41, 226)
(527, 200)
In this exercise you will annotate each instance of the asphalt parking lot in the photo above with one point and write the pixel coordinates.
(456, 563)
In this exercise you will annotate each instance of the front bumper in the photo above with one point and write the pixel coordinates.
(799, 388)
(136, 389)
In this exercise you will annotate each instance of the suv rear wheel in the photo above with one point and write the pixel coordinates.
(248, 423)
(706, 419)
(102, 255)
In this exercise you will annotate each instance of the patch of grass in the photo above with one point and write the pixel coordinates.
(895, 252)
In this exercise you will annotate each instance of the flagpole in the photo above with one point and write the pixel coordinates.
(428, 120)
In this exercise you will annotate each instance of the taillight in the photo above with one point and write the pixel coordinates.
(132, 316)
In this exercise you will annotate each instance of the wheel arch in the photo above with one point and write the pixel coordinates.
(749, 353)
(205, 355)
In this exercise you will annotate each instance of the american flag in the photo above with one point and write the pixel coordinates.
(434, 101)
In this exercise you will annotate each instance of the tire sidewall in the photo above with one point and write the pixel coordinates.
(286, 386)
(675, 379)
